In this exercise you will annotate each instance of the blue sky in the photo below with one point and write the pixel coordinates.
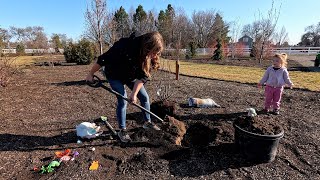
(67, 16)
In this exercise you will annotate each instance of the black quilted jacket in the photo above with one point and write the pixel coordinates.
(121, 60)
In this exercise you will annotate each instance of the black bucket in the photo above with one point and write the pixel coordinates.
(257, 147)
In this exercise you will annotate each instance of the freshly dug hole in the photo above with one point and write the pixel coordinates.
(198, 135)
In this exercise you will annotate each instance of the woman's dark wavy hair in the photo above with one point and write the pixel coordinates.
(152, 43)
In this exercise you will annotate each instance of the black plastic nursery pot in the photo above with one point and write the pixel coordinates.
(256, 147)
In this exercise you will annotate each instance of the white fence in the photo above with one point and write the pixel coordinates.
(32, 51)
(200, 51)
(246, 51)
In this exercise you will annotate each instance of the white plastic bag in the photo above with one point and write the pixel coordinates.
(251, 112)
(88, 130)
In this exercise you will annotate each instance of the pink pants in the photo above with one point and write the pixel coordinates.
(273, 97)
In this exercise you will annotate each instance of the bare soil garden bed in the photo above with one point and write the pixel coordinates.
(42, 105)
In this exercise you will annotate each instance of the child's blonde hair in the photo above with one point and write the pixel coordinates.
(283, 57)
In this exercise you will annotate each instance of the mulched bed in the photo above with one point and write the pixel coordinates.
(42, 105)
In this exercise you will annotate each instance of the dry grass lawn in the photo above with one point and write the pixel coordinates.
(303, 80)
(27, 60)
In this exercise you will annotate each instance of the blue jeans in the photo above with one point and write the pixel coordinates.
(122, 104)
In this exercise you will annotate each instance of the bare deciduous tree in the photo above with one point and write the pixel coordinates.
(112, 34)
(203, 25)
(35, 37)
(234, 36)
(281, 37)
(7, 70)
(267, 28)
(96, 22)
(18, 33)
(262, 30)
(31, 37)
(182, 29)
(4, 38)
(312, 36)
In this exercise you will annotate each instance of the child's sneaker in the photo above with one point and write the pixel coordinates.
(276, 112)
(124, 136)
(150, 125)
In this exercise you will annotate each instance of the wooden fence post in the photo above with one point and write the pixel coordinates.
(177, 69)
(178, 57)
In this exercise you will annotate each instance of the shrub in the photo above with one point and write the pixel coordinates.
(81, 53)
(317, 60)
(7, 70)
(20, 49)
(191, 52)
(218, 53)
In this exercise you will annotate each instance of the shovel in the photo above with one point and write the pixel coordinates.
(105, 120)
(98, 83)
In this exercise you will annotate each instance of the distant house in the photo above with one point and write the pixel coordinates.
(246, 40)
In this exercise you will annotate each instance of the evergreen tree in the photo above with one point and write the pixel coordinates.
(140, 18)
(317, 61)
(191, 52)
(161, 24)
(218, 53)
(170, 14)
(165, 24)
(122, 22)
(55, 39)
(220, 29)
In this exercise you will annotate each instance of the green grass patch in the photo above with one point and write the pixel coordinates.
(304, 80)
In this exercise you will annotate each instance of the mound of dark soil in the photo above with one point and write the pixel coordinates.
(261, 124)
(163, 108)
(171, 133)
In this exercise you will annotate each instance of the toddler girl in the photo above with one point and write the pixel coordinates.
(275, 78)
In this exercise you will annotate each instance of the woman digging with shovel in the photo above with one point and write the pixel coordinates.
(129, 62)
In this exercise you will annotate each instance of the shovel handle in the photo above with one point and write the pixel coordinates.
(98, 83)
(109, 126)
(95, 83)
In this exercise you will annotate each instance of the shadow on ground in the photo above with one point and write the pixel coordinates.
(195, 162)
(13, 142)
(226, 117)
(75, 83)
